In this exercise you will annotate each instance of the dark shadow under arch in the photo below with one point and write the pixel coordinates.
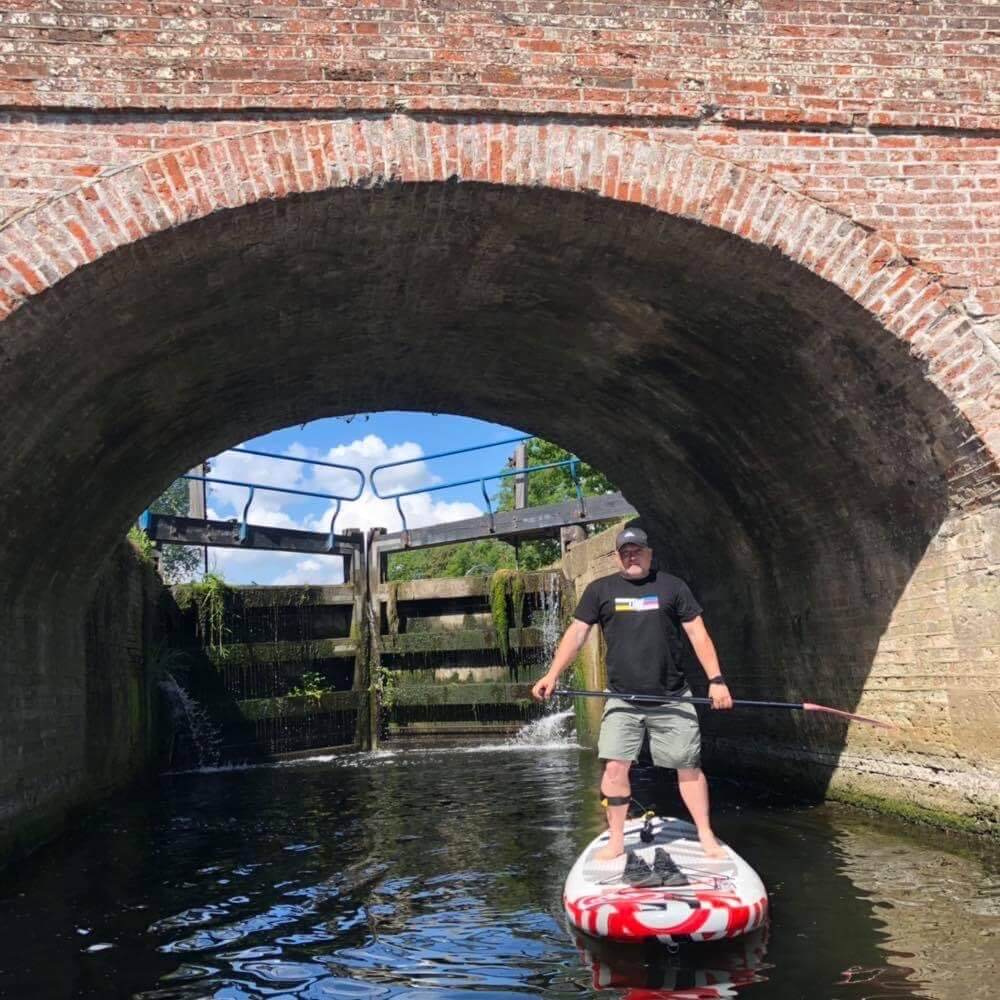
(788, 454)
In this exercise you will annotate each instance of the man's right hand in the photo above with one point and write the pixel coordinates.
(543, 688)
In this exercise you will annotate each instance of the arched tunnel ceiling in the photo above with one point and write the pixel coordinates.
(745, 406)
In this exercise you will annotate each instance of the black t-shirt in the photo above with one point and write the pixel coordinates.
(640, 621)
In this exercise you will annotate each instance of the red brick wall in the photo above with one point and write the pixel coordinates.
(850, 62)
(881, 111)
(936, 197)
(858, 139)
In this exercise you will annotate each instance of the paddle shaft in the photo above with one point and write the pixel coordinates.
(658, 698)
(802, 706)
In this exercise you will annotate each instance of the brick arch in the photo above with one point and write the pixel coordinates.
(41, 246)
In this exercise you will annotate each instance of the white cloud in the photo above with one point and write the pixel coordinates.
(290, 511)
(313, 571)
(371, 512)
(246, 468)
(366, 453)
(275, 568)
(270, 517)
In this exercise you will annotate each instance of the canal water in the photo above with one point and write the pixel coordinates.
(436, 874)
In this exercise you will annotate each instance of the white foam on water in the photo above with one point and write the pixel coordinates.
(505, 746)
(342, 760)
(550, 732)
(542, 734)
(547, 731)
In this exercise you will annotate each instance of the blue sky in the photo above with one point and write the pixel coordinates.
(366, 441)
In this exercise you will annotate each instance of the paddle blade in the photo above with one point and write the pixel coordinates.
(809, 707)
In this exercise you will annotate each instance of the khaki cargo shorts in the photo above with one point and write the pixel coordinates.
(674, 736)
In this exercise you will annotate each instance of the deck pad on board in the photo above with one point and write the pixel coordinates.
(723, 897)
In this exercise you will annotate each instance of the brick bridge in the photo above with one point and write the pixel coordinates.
(739, 254)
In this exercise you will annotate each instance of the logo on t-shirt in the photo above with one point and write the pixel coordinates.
(649, 603)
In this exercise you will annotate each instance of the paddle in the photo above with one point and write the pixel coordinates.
(804, 706)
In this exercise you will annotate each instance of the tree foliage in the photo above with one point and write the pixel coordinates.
(550, 486)
(480, 558)
(178, 563)
(547, 486)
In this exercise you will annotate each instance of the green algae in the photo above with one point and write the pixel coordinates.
(911, 812)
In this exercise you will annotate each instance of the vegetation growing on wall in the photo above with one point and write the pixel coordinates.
(384, 684)
(176, 563)
(517, 599)
(143, 545)
(499, 590)
(507, 590)
(209, 598)
(312, 684)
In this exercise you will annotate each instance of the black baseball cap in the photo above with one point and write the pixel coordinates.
(631, 536)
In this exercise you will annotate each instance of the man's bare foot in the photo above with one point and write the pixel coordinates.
(609, 853)
(711, 846)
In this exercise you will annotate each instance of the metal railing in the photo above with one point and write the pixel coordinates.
(244, 528)
(572, 463)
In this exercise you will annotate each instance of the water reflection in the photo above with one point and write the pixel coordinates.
(439, 873)
(936, 906)
(710, 971)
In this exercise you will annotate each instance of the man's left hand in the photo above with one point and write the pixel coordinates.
(719, 696)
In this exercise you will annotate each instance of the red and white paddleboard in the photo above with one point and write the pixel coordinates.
(723, 898)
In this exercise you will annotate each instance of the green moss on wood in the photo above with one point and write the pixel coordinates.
(355, 632)
(458, 640)
(463, 694)
(392, 607)
(238, 654)
(277, 597)
(499, 588)
(312, 684)
(517, 588)
(911, 812)
(290, 707)
(384, 686)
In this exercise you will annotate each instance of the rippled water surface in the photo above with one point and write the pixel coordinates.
(437, 873)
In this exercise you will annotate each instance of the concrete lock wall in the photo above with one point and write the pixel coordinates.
(86, 728)
(740, 256)
(933, 676)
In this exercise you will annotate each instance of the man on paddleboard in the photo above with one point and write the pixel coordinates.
(639, 609)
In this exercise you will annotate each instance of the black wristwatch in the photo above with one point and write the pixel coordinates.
(717, 679)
